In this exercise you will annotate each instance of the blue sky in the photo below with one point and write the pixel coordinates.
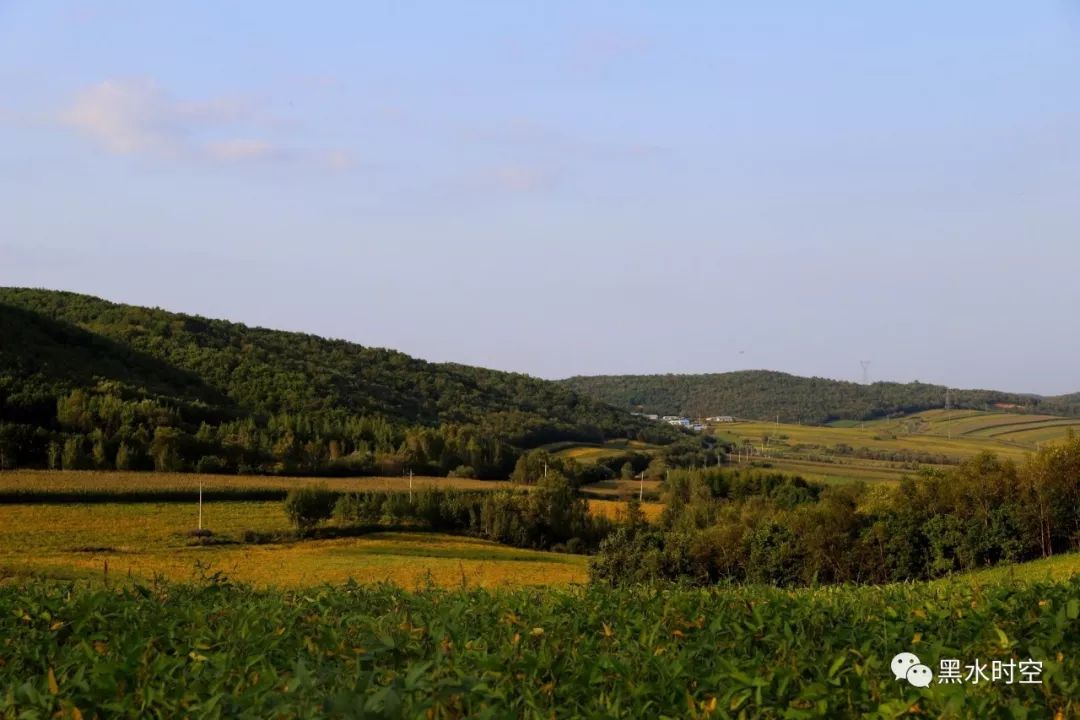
(567, 188)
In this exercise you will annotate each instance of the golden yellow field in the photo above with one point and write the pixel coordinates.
(147, 539)
(592, 452)
(115, 481)
(613, 509)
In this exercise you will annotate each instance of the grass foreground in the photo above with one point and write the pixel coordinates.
(218, 650)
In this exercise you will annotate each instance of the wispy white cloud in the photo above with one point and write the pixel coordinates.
(125, 118)
(138, 117)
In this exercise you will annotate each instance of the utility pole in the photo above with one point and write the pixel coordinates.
(200, 505)
(641, 487)
(410, 484)
(948, 406)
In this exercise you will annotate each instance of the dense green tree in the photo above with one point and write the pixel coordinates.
(730, 524)
(123, 457)
(307, 506)
(165, 449)
(74, 458)
(99, 453)
(267, 401)
(767, 395)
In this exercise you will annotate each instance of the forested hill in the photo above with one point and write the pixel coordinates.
(74, 366)
(763, 394)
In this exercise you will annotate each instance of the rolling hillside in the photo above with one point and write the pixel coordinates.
(764, 395)
(891, 448)
(1021, 430)
(106, 374)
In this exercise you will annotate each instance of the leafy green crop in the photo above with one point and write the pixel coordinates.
(217, 650)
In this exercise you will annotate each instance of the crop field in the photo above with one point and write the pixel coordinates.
(604, 489)
(115, 609)
(887, 450)
(213, 649)
(1059, 567)
(838, 471)
(119, 541)
(29, 485)
(785, 438)
(613, 508)
(591, 452)
(1020, 429)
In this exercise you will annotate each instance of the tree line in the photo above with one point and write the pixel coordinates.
(748, 526)
(550, 516)
(85, 383)
(768, 395)
(105, 432)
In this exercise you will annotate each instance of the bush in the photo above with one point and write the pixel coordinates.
(211, 464)
(255, 537)
(308, 506)
(463, 471)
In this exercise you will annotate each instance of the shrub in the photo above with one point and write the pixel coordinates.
(308, 506)
(211, 464)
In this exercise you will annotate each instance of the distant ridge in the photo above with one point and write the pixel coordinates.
(766, 395)
(85, 375)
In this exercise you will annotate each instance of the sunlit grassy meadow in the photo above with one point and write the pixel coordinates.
(147, 539)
